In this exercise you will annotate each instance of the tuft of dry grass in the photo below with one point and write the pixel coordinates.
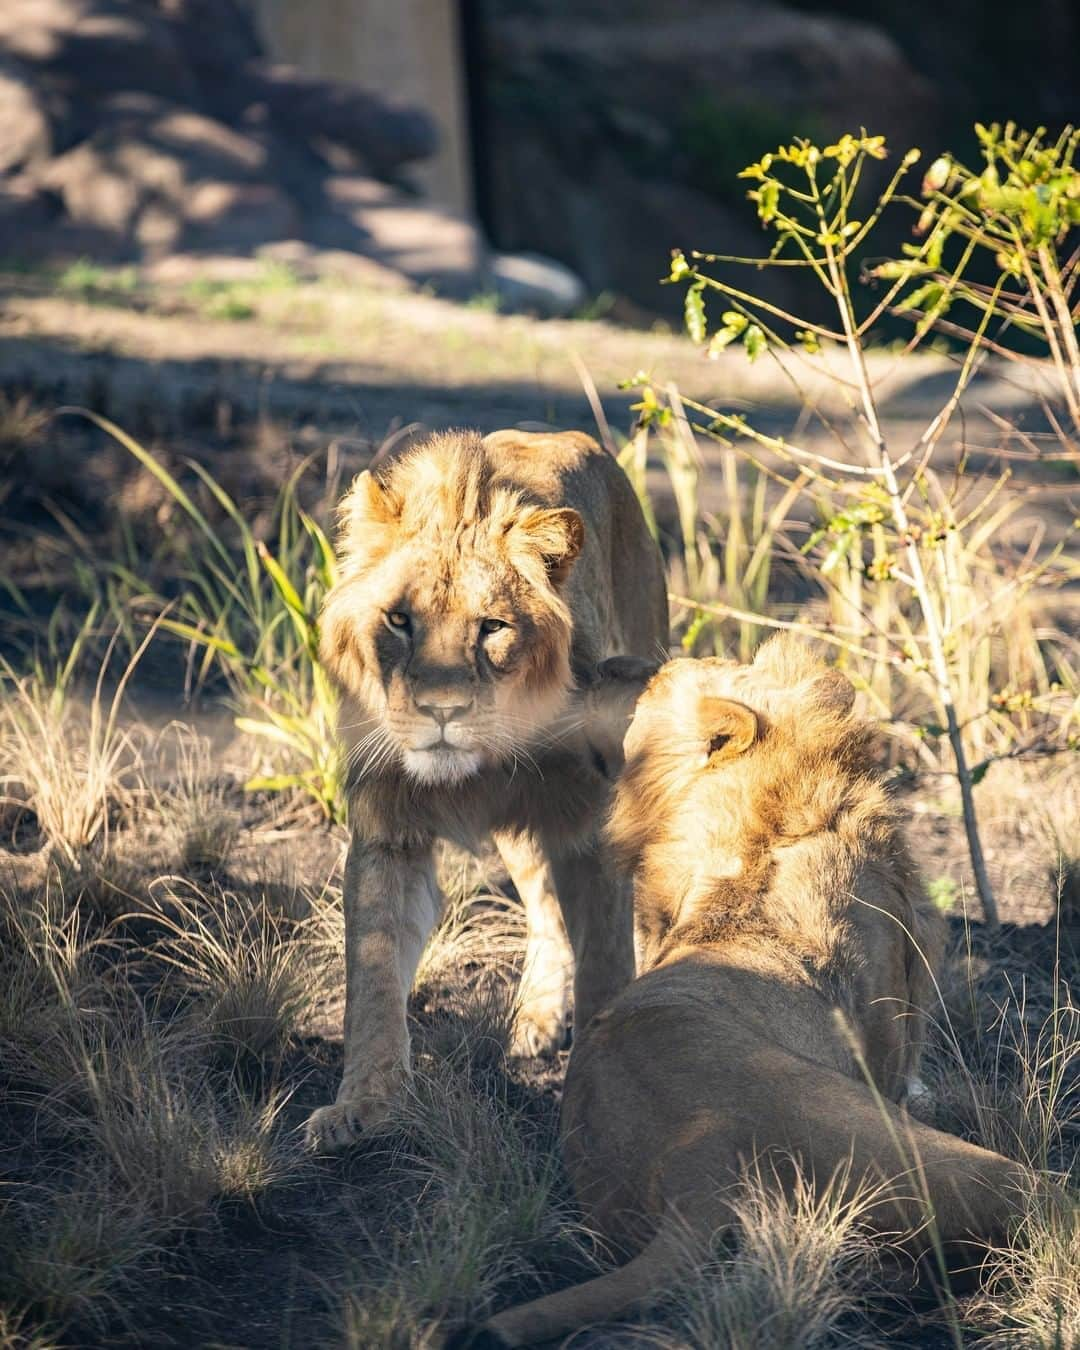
(799, 1272)
(201, 825)
(78, 770)
(252, 973)
(1031, 1294)
(68, 1249)
(137, 1095)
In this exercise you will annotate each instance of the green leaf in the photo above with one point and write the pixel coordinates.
(755, 342)
(203, 638)
(695, 313)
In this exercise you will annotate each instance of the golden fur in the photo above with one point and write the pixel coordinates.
(788, 957)
(478, 578)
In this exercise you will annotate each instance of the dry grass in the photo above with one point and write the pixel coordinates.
(490, 1219)
(156, 1060)
(76, 774)
(68, 1248)
(249, 972)
(1031, 1297)
(801, 1271)
(161, 1059)
(194, 807)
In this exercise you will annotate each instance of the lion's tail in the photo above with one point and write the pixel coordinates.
(600, 1300)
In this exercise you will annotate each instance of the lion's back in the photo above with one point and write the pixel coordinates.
(617, 591)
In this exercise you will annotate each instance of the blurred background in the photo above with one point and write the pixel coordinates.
(436, 137)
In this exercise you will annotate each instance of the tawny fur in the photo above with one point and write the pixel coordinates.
(478, 578)
(789, 952)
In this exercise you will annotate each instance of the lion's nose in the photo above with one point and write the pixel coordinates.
(446, 712)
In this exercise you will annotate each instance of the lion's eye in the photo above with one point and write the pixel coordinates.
(492, 625)
(398, 619)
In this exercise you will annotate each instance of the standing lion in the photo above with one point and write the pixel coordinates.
(478, 577)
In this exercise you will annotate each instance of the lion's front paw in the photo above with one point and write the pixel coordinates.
(333, 1128)
(538, 1031)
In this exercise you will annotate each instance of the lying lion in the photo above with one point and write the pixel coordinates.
(789, 953)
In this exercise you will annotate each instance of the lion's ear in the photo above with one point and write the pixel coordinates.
(731, 728)
(556, 535)
(833, 690)
(367, 509)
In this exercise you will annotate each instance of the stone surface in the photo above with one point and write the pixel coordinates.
(25, 215)
(25, 133)
(536, 285)
(226, 217)
(426, 243)
(139, 127)
(619, 136)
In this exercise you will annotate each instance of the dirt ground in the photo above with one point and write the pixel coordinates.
(247, 377)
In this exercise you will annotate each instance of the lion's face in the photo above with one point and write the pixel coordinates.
(448, 627)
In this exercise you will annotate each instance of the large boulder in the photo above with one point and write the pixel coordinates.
(96, 47)
(150, 158)
(135, 128)
(424, 242)
(25, 132)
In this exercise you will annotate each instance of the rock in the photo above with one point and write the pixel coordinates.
(25, 134)
(93, 191)
(226, 217)
(111, 47)
(235, 39)
(25, 217)
(107, 117)
(385, 137)
(537, 285)
(428, 243)
(658, 109)
(97, 46)
(137, 175)
(34, 29)
(206, 146)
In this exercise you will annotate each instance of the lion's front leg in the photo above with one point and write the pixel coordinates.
(392, 902)
(543, 1002)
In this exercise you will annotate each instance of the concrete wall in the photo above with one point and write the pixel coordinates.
(405, 49)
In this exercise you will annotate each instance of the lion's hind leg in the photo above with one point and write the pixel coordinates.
(543, 1003)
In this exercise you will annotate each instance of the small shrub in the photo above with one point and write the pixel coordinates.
(917, 597)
